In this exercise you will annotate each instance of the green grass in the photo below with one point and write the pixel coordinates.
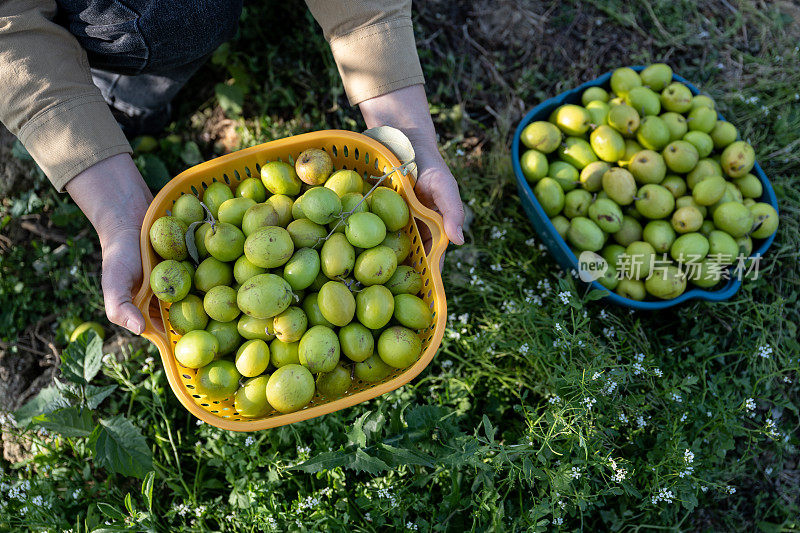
(543, 406)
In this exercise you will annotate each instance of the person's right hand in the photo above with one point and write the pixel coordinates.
(115, 198)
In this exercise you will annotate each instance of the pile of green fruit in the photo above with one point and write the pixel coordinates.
(281, 286)
(647, 177)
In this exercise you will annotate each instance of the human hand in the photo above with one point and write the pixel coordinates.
(115, 198)
(407, 110)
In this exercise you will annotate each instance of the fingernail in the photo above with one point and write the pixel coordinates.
(133, 326)
(460, 232)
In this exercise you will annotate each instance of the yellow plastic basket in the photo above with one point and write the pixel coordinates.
(348, 150)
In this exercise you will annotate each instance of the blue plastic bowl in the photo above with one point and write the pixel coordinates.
(559, 248)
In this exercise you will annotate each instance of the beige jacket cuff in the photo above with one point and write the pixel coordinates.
(71, 136)
(377, 59)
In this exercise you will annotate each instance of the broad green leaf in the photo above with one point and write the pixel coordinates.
(191, 153)
(356, 435)
(69, 422)
(119, 446)
(230, 97)
(110, 511)
(367, 463)
(128, 503)
(405, 456)
(153, 170)
(82, 359)
(488, 428)
(147, 489)
(96, 395)
(325, 461)
(48, 400)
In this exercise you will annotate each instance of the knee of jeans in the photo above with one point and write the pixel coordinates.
(191, 34)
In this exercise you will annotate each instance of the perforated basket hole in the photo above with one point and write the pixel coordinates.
(334, 150)
(258, 169)
(204, 185)
(346, 151)
(195, 191)
(247, 172)
(237, 176)
(227, 179)
(355, 154)
(366, 158)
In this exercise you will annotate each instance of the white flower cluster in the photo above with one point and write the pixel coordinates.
(772, 429)
(384, 493)
(688, 458)
(658, 373)
(603, 314)
(589, 402)
(496, 267)
(639, 357)
(148, 365)
(200, 511)
(524, 348)
(641, 421)
(18, 491)
(497, 233)
(750, 406)
(609, 332)
(676, 397)
(554, 399)
(609, 388)
(623, 418)
(663, 495)
(412, 526)
(301, 450)
(765, 351)
(730, 490)
(447, 364)
(310, 502)
(619, 474)
(559, 327)
(532, 241)
(638, 369)
(558, 521)
(683, 417)
(181, 509)
(596, 375)
(564, 295)
(575, 473)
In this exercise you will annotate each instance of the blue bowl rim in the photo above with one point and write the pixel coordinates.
(724, 293)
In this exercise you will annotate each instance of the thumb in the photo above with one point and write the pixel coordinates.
(117, 282)
(449, 203)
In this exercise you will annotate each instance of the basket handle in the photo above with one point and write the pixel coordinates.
(155, 334)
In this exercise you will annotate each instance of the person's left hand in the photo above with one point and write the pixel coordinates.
(437, 188)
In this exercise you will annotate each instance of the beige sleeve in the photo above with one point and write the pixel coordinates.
(372, 43)
(48, 99)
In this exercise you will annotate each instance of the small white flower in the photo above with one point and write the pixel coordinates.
(658, 372)
(638, 369)
(249, 441)
(750, 404)
(639, 357)
(497, 267)
(765, 351)
(575, 473)
(559, 327)
(641, 421)
(564, 295)
(623, 418)
(596, 375)
(558, 521)
(532, 241)
(683, 417)
(523, 349)
(412, 526)
(768, 470)
(589, 402)
(676, 397)
(554, 399)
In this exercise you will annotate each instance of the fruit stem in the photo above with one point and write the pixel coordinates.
(344, 216)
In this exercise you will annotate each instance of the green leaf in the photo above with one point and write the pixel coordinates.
(191, 153)
(48, 400)
(153, 170)
(147, 489)
(191, 246)
(367, 463)
(230, 97)
(119, 446)
(82, 359)
(110, 511)
(68, 422)
(356, 435)
(325, 461)
(96, 395)
(488, 428)
(405, 456)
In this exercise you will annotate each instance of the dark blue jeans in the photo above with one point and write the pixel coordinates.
(143, 51)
